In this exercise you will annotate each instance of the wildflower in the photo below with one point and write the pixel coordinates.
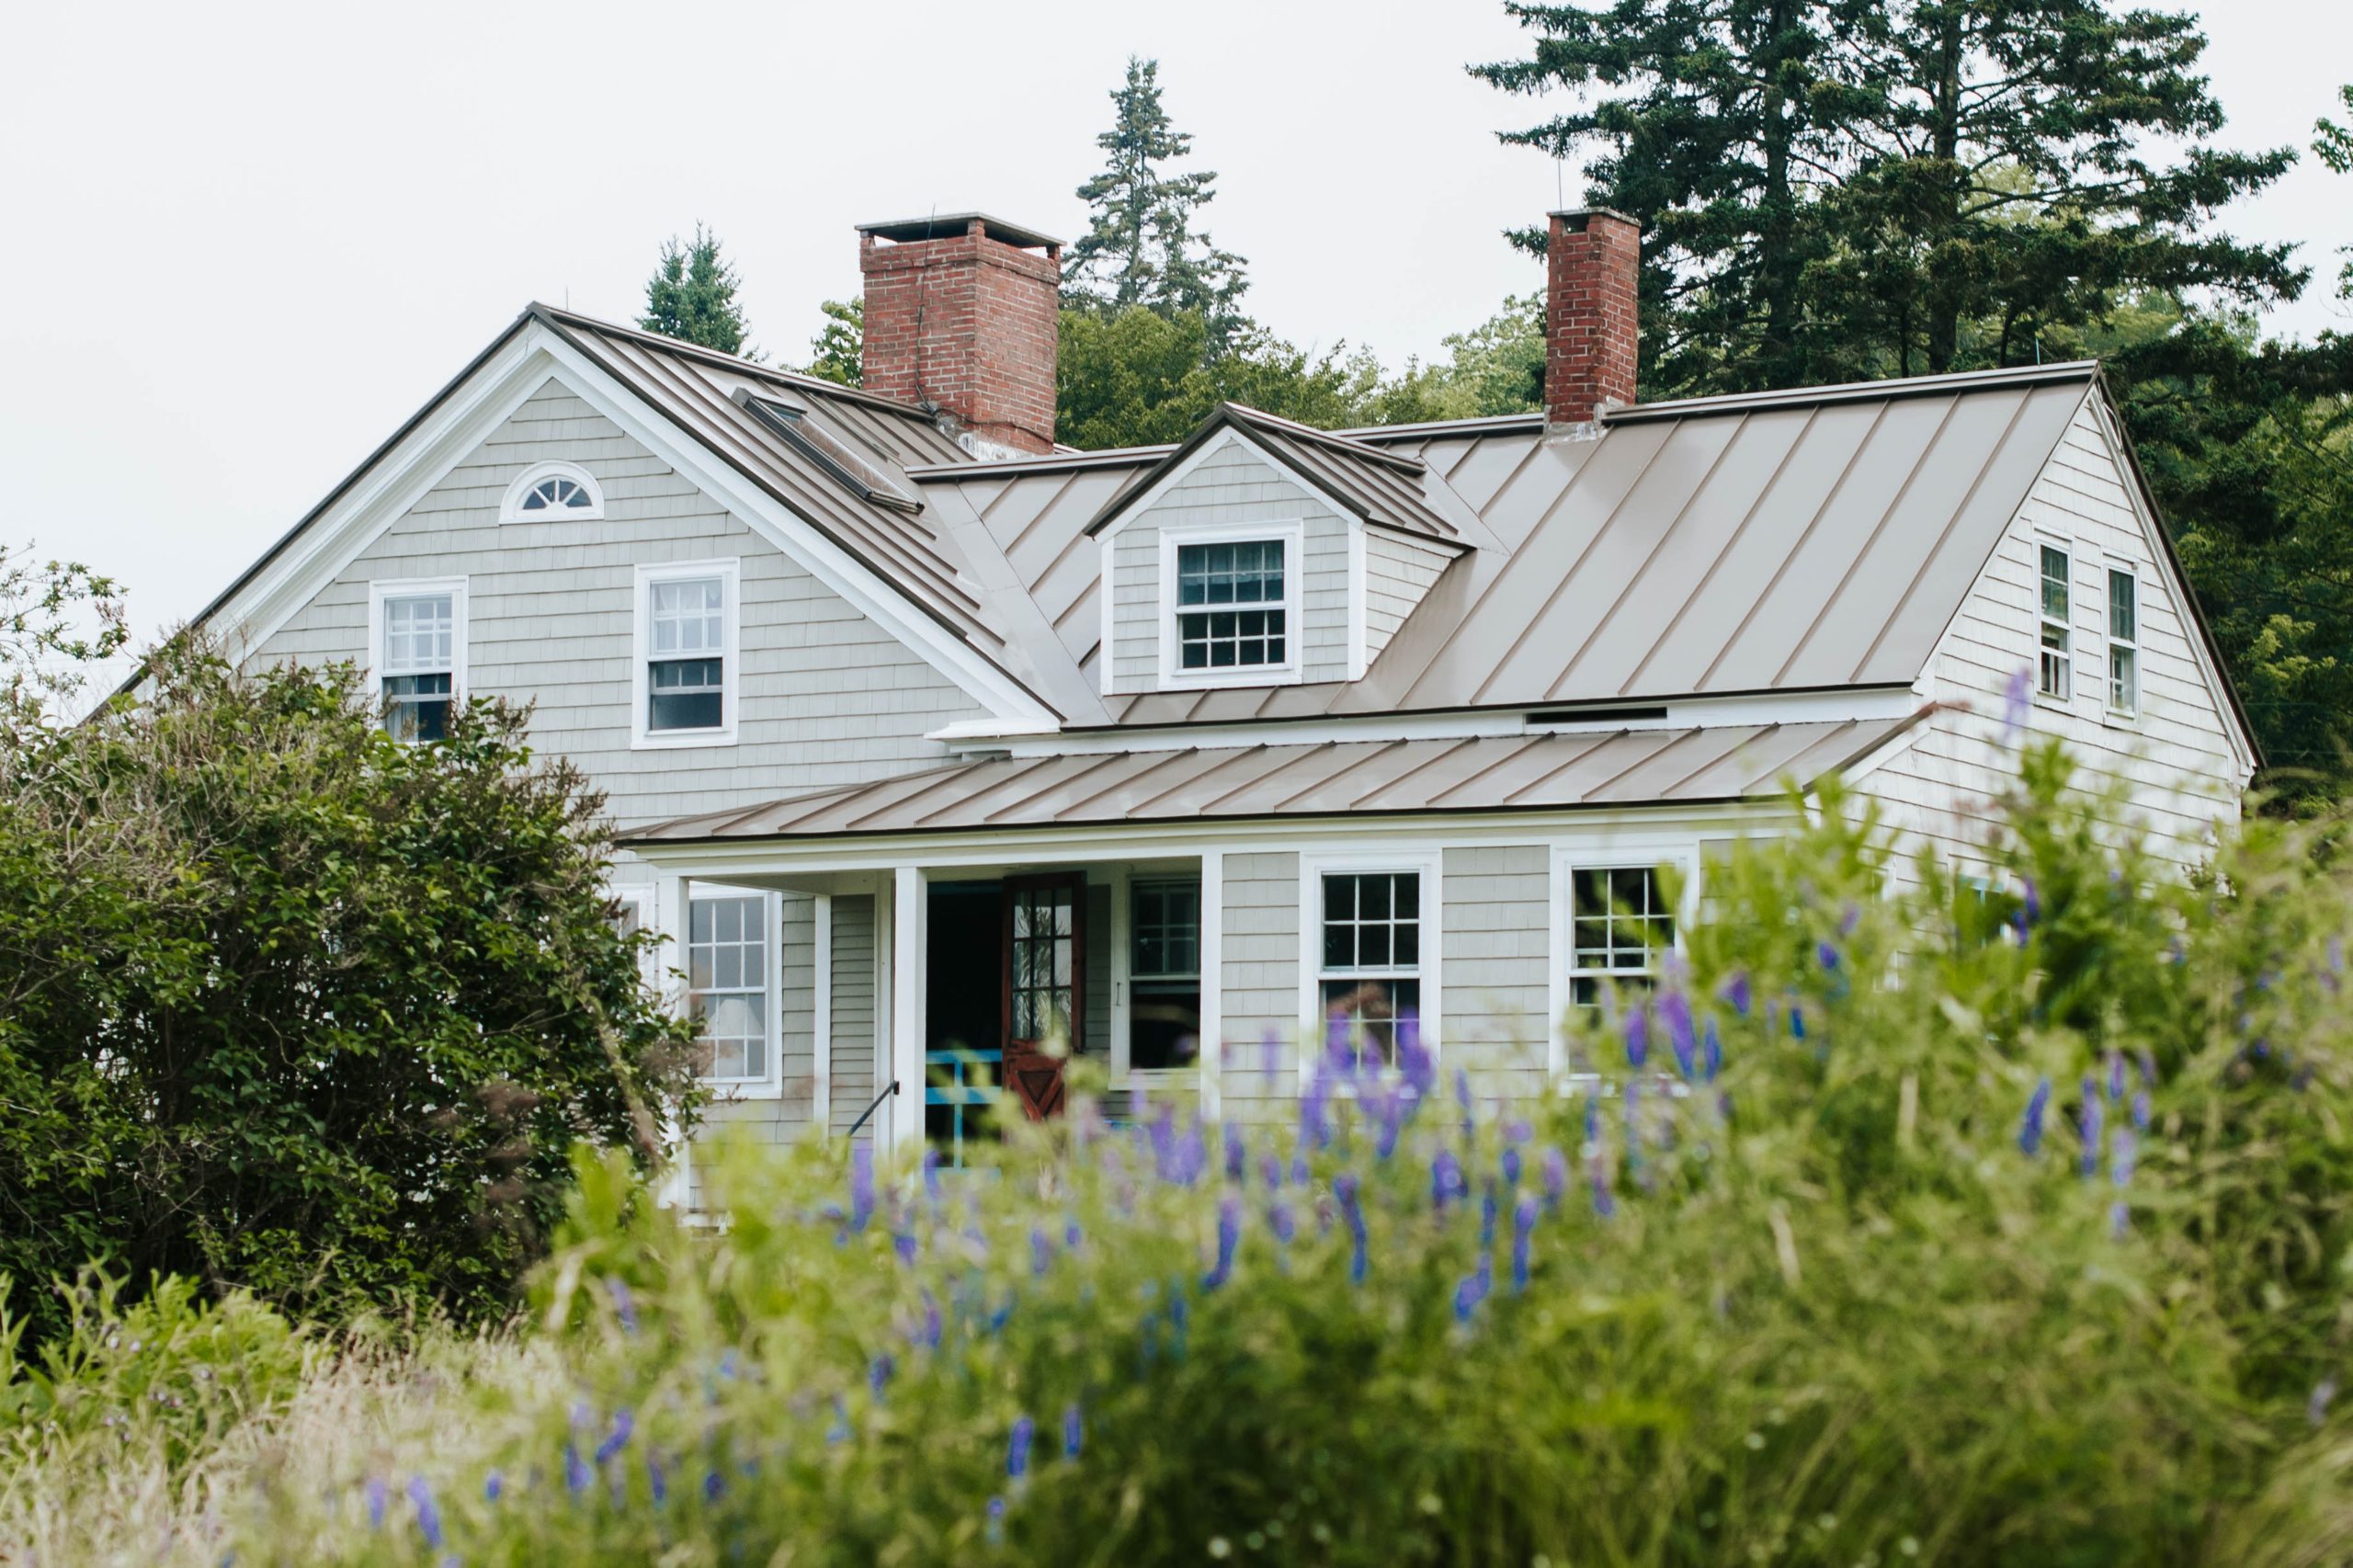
(1314, 1125)
(428, 1515)
(1474, 1289)
(618, 1438)
(1446, 1179)
(1271, 1167)
(2148, 1064)
(1637, 1031)
(2123, 1156)
(1523, 1226)
(1343, 1187)
(1073, 1433)
(2140, 1110)
(1592, 1117)
(494, 1487)
(997, 1521)
(1016, 1448)
(931, 1175)
(1041, 1251)
(1827, 956)
(624, 1305)
(1237, 1153)
(657, 1480)
(2016, 703)
(1487, 1216)
(1556, 1179)
(1229, 1237)
(1510, 1165)
(2029, 903)
(1675, 1013)
(714, 1485)
(861, 1186)
(1071, 1235)
(2038, 1104)
(878, 1373)
(1850, 918)
(1797, 1021)
(374, 1492)
(577, 1474)
(903, 1244)
(838, 1433)
(2092, 1122)
(2323, 1394)
(1416, 1068)
(1736, 993)
(1604, 1204)
(2115, 1075)
(1711, 1051)
(1462, 1097)
(1392, 1110)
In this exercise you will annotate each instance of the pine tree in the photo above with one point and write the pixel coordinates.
(1141, 247)
(692, 296)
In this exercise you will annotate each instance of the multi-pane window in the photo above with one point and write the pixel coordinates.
(1044, 952)
(1372, 952)
(418, 664)
(557, 494)
(1229, 613)
(2123, 643)
(1164, 974)
(685, 671)
(727, 984)
(1619, 921)
(2055, 674)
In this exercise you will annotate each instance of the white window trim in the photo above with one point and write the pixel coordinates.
(1124, 1075)
(2066, 547)
(2110, 642)
(510, 506)
(1312, 869)
(1682, 855)
(382, 589)
(638, 897)
(729, 572)
(769, 1084)
(1291, 533)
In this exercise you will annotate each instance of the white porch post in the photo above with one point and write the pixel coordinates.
(908, 940)
(1212, 936)
(820, 1044)
(670, 896)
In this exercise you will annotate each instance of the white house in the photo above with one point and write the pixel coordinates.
(925, 732)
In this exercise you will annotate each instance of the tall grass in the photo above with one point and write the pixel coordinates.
(1942, 1228)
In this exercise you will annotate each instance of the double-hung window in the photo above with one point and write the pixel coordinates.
(685, 682)
(1232, 611)
(1164, 974)
(2056, 672)
(731, 939)
(2123, 644)
(1620, 922)
(1371, 968)
(419, 636)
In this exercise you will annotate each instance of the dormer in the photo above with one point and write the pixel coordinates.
(1262, 552)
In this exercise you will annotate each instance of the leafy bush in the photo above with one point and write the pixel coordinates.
(287, 1006)
(1943, 1228)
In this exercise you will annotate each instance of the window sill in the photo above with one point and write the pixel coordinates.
(680, 740)
(1240, 679)
(726, 1089)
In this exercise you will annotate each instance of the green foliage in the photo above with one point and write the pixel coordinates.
(57, 617)
(692, 296)
(286, 1004)
(1142, 247)
(2333, 144)
(838, 352)
(1943, 1227)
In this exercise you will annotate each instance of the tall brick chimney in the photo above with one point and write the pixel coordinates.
(959, 316)
(1591, 259)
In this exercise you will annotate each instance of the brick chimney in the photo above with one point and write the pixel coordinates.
(959, 316)
(1591, 258)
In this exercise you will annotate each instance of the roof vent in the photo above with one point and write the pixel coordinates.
(827, 450)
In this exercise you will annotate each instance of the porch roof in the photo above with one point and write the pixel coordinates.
(1550, 771)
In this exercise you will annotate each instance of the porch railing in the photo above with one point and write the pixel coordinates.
(887, 1090)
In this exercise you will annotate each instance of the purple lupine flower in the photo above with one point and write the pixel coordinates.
(903, 1243)
(2115, 1075)
(1711, 1050)
(861, 1184)
(1229, 1237)
(2148, 1064)
(1074, 1432)
(714, 1485)
(1462, 1097)
(838, 1433)
(1487, 1215)
(878, 1373)
(2323, 1394)
(1523, 1226)
(1271, 1169)
(1510, 1164)
(1314, 1126)
(1071, 1235)
(2017, 703)
(1281, 1222)
(997, 1521)
(428, 1512)
(1827, 956)
(1041, 1251)
(615, 1440)
(928, 1336)
(577, 1473)
(1604, 1204)
(1161, 1129)
(1416, 1068)
(1850, 918)
(373, 1491)
(1556, 1179)
(2093, 1121)
(1736, 993)
(2030, 900)
(624, 1305)
(1343, 1187)
(1237, 1154)
(1392, 1111)
(2038, 1105)
(931, 1175)
(2123, 1156)
(1674, 1014)
(657, 1480)
(1446, 1179)
(2140, 1110)
(494, 1487)
(1299, 1171)
(1637, 1030)
(1593, 1116)
(1016, 1448)
(2120, 1217)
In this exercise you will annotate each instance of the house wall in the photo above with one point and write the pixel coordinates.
(1497, 976)
(1232, 484)
(826, 697)
(855, 1014)
(2173, 762)
(1258, 955)
(1398, 570)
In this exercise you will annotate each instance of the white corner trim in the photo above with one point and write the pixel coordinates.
(510, 506)
(821, 1015)
(1212, 940)
(1104, 557)
(1359, 637)
(383, 588)
(1291, 533)
(729, 571)
(1429, 862)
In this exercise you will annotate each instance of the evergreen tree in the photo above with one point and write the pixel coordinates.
(692, 296)
(838, 352)
(1141, 247)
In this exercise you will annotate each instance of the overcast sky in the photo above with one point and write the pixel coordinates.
(243, 243)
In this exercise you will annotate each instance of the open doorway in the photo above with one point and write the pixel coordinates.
(964, 1012)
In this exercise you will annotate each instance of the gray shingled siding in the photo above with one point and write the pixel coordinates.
(1259, 955)
(779, 1118)
(1398, 570)
(1236, 485)
(828, 696)
(1098, 1021)
(853, 1064)
(1497, 965)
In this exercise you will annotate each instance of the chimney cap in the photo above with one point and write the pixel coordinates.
(1596, 212)
(948, 225)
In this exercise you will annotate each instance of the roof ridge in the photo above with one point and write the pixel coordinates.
(1371, 454)
(1856, 392)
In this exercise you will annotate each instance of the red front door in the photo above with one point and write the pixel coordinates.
(1045, 985)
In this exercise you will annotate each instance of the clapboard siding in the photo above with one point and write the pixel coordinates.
(1497, 965)
(1233, 486)
(1398, 570)
(854, 1018)
(828, 696)
(2173, 762)
(1260, 956)
(779, 1118)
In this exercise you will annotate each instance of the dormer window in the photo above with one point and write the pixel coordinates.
(1230, 606)
(552, 492)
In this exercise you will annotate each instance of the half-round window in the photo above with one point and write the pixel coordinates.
(547, 493)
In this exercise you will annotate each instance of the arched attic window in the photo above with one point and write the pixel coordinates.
(551, 492)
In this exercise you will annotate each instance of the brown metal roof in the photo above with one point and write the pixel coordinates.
(1545, 771)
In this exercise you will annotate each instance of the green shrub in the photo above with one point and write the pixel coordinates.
(1815, 1270)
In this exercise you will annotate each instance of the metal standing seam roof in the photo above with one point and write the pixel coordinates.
(1545, 771)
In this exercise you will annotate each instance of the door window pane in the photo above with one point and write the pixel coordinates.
(1165, 974)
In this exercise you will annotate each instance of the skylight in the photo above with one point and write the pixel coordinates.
(830, 452)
